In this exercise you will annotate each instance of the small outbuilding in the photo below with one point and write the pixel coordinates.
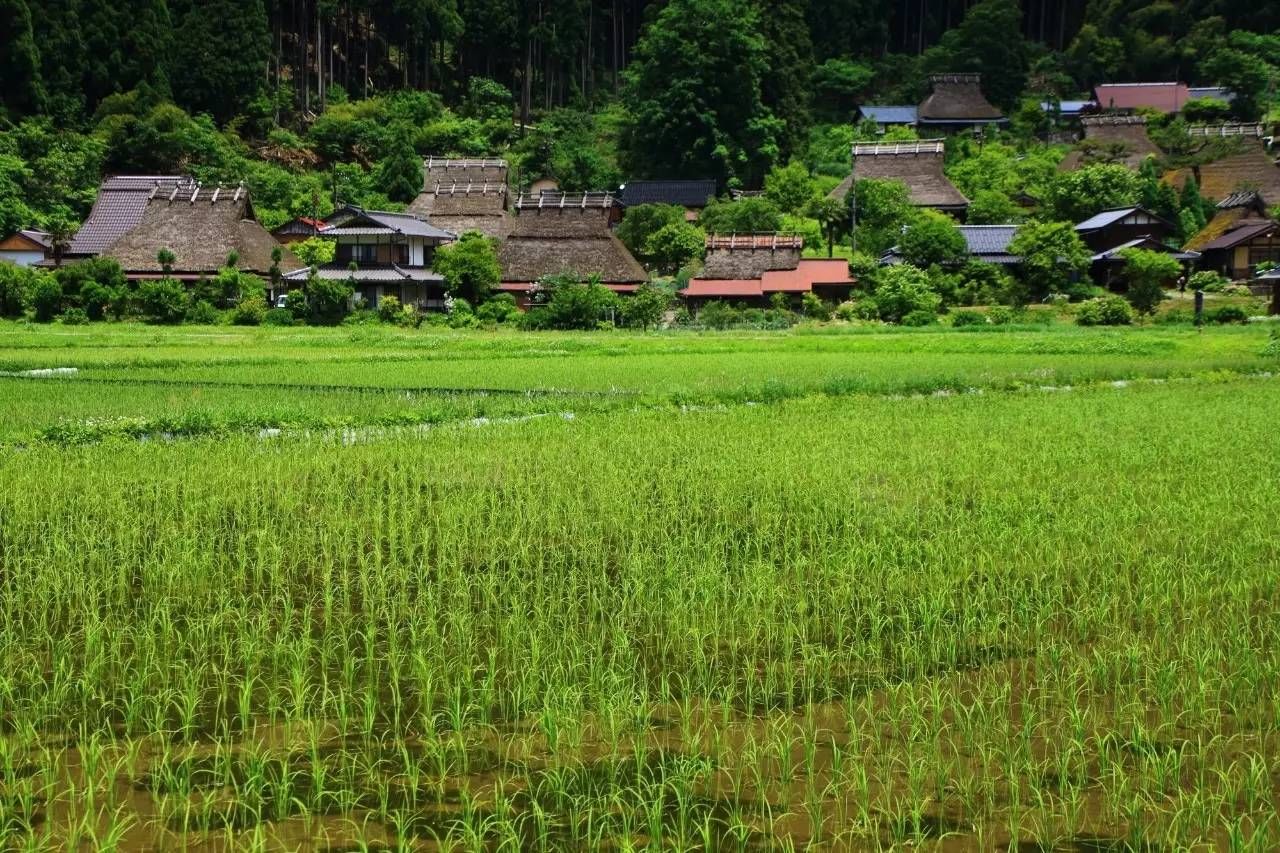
(752, 268)
(1238, 253)
(916, 164)
(26, 248)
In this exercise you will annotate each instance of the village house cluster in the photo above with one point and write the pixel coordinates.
(542, 232)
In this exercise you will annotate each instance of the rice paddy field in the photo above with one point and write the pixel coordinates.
(369, 589)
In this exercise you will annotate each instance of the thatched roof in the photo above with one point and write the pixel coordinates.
(750, 256)
(1121, 139)
(916, 164)
(957, 99)
(201, 226)
(1250, 168)
(557, 240)
(465, 195)
(448, 170)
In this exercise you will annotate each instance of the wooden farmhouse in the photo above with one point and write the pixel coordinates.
(1111, 139)
(26, 248)
(1238, 252)
(202, 227)
(298, 229)
(461, 195)
(565, 234)
(383, 254)
(752, 268)
(1111, 232)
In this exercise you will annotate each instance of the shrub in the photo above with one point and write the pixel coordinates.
(163, 300)
(1176, 317)
(1001, 315)
(846, 311)
(960, 319)
(328, 301)
(902, 290)
(1208, 281)
(1227, 314)
(647, 307)
(500, 309)
(95, 299)
(74, 317)
(1107, 311)
(15, 288)
(249, 312)
(1237, 290)
(578, 305)
(920, 317)
(1147, 273)
(389, 309)
(812, 306)
(718, 315)
(278, 317)
(469, 266)
(46, 298)
(202, 313)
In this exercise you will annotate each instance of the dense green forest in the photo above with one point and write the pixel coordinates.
(317, 101)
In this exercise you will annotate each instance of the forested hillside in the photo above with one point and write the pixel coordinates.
(316, 100)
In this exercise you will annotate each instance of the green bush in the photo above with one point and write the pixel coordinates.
(1227, 314)
(74, 317)
(328, 301)
(389, 309)
(812, 306)
(1208, 281)
(96, 299)
(718, 315)
(249, 311)
(163, 301)
(1107, 311)
(960, 319)
(920, 317)
(46, 298)
(501, 308)
(1001, 315)
(16, 284)
(203, 313)
(902, 290)
(279, 317)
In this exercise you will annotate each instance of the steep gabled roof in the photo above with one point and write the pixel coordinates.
(680, 193)
(916, 164)
(1128, 134)
(570, 234)
(1113, 215)
(121, 201)
(1166, 97)
(1148, 243)
(1250, 168)
(355, 220)
(201, 226)
(462, 170)
(957, 98)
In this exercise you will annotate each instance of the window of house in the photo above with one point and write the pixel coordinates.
(361, 253)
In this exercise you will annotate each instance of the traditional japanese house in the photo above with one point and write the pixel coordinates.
(461, 195)
(298, 229)
(1115, 227)
(384, 254)
(1111, 139)
(986, 243)
(556, 234)
(752, 268)
(1231, 210)
(1165, 97)
(1238, 253)
(202, 227)
(957, 103)
(916, 164)
(889, 116)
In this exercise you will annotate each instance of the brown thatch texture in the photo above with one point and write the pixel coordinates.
(554, 242)
(957, 97)
(1222, 222)
(201, 230)
(462, 206)
(1121, 139)
(916, 164)
(1250, 169)
(748, 263)
(448, 170)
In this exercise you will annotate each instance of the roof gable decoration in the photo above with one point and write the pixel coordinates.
(562, 201)
(957, 98)
(1249, 129)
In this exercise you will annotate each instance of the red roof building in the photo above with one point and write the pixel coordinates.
(1166, 97)
(828, 278)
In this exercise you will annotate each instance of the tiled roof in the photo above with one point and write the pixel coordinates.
(682, 193)
(1166, 97)
(1106, 217)
(121, 202)
(809, 273)
(382, 222)
(1149, 243)
(743, 288)
(40, 238)
(989, 243)
(367, 273)
(1241, 234)
(895, 114)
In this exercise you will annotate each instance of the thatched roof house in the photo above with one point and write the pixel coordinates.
(465, 195)
(916, 164)
(557, 234)
(1111, 139)
(1251, 167)
(1231, 211)
(121, 201)
(957, 102)
(753, 267)
(201, 226)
